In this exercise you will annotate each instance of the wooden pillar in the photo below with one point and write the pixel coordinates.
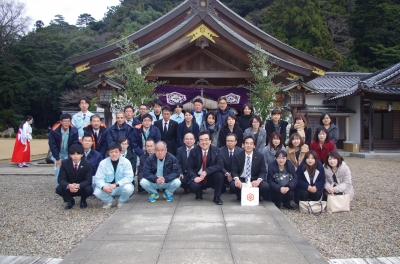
(107, 116)
(371, 126)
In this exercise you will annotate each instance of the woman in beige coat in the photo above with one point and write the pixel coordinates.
(296, 149)
(337, 175)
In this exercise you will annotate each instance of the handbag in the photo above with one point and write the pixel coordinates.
(338, 203)
(312, 207)
(282, 178)
(250, 196)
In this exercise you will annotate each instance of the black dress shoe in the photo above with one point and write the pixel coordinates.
(70, 204)
(199, 196)
(289, 207)
(238, 198)
(83, 205)
(217, 200)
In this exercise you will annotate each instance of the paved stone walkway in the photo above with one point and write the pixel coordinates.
(190, 231)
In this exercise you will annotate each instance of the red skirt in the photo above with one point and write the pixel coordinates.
(21, 152)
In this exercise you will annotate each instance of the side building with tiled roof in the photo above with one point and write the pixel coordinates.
(365, 106)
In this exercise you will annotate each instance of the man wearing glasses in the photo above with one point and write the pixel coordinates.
(222, 111)
(204, 169)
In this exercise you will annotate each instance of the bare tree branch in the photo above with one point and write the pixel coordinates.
(13, 23)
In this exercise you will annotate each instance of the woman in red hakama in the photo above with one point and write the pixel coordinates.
(22, 147)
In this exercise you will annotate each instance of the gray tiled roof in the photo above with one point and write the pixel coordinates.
(336, 82)
(374, 83)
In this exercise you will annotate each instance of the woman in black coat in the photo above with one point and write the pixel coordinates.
(244, 119)
(188, 125)
(282, 180)
(231, 125)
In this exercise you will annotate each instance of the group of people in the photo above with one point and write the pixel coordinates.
(194, 150)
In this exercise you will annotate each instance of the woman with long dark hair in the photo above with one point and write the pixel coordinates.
(322, 143)
(231, 125)
(22, 146)
(275, 143)
(211, 125)
(296, 149)
(311, 176)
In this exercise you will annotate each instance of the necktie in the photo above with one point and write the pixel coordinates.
(75, 167)
(188, 152)
(95, 136)
(84, 116)
(231, 158)
(204, 166)
(165, 128)
(248, 169)
(204, 160)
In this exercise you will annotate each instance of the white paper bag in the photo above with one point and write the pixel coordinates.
(250, 196)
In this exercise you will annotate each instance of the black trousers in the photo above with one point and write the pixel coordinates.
(215, 180)
(278, 198)
(263, 189)
(305, 195)
(67, 195)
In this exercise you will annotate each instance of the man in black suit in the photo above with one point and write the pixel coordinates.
(99, 134)
(227, 153)
(205, 168)
(75, 178)
(168, 129)
(249, 168)
(182, 156)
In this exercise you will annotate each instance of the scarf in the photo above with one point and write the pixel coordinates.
(300, 131)
(212, 128)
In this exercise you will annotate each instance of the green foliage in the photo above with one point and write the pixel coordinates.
(13, 135)
(300, 24)
(84, 20)
(93, 103)
(129, 68)
(1, 135)
(8, 118)
(376, 27)
(262, 89)
(244, 7)
(6, 136)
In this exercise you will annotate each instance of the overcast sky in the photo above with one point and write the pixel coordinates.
(45, 10)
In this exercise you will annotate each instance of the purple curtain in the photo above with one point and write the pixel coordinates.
(236, 97)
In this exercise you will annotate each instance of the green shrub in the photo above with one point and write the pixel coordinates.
(13, 135)
(6, 136)
(1, 135)
(40, 137)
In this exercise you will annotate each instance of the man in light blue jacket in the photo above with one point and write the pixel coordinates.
(114, 177)
(82, 118)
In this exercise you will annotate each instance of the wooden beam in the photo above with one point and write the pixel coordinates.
(371, 125)
(223, 62)
(201, 74)
(179, 62)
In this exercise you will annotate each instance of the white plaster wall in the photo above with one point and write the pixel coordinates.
(315, 99)
(355, 119)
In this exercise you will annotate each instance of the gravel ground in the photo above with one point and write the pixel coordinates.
(33, 221)
(371, 228)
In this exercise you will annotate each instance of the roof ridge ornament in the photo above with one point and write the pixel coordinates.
(202, 30)
(204, 7)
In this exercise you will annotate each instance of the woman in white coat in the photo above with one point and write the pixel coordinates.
(337, 175)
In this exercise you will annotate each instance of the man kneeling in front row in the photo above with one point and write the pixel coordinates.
(75, 178)
(161, 171)
(114, 177)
